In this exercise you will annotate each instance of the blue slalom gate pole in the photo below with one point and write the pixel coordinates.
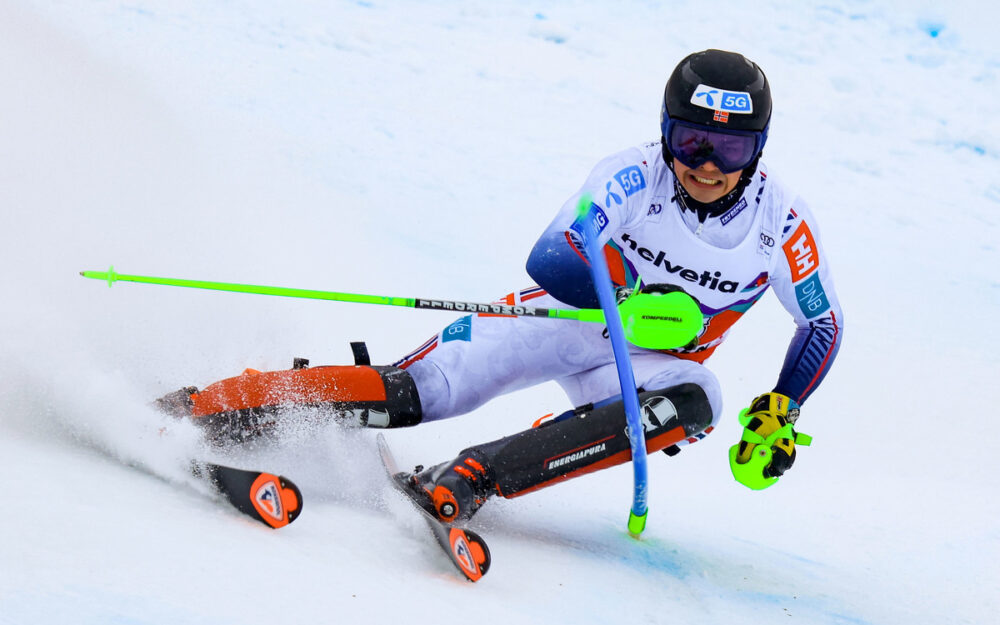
(590, 221)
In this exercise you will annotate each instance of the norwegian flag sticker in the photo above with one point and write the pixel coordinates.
(721, 116)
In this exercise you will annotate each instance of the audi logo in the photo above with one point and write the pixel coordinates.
(766, 240)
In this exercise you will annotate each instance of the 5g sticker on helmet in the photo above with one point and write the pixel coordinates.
(721, 100)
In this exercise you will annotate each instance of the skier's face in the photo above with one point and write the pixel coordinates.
(706, 183)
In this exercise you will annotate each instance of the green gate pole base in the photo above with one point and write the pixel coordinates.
(636, 523)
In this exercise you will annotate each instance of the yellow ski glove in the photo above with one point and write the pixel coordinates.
(767, 448)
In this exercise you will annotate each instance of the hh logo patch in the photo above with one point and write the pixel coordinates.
(800, 250)
(631, 180)
(459, 330)
(812, 298)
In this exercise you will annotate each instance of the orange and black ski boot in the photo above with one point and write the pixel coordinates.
(453, 491)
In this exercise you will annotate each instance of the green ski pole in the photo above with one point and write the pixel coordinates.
(645, 321)
(591, 315)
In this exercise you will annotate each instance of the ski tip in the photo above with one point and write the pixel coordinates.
(385, 454)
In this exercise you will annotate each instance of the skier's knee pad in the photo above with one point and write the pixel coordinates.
(382, 397)
(591, 438)
(689, 372)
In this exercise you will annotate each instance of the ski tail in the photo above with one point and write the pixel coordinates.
(271, 499)
(467, 549)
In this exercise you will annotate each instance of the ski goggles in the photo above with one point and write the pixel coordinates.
(730, 150)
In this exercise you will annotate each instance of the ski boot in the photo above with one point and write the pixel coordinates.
(453, 491)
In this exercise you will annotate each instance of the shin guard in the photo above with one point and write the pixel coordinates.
(590, 439)
(241, 406)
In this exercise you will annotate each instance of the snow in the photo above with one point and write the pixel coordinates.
(417, 149)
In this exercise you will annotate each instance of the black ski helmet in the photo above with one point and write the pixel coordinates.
(709, 88)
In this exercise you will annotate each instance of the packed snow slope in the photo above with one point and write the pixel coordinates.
(418, 149)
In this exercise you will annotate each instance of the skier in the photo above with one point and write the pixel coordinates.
(698, 211)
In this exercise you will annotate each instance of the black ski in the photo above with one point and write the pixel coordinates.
(271, 499)
(465, 548)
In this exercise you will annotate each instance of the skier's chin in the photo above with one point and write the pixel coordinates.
(705, 184)
(705, 188)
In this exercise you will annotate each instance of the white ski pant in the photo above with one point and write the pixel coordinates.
(477, 358)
